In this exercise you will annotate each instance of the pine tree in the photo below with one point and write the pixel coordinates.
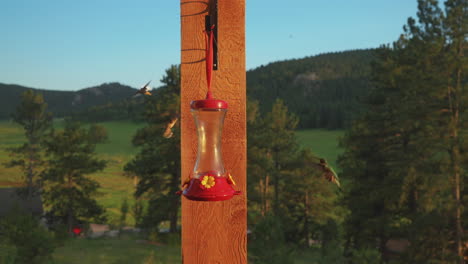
(32, 115)
(157, 165)
(272, 148)
(68, 191)
(456, 32)
(123, 213)
(404, 155)
(310, 201)
(287, 187)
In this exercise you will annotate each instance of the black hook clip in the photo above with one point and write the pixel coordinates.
(210, 20)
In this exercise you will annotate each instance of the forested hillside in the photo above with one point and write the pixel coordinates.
(63, 103)
(322, 90)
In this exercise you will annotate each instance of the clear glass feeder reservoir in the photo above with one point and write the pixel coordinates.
(209, 180)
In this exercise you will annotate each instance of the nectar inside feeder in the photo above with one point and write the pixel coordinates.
(209, 180)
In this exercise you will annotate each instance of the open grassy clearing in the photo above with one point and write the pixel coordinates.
(115, 187)
(124, 250)
(322, 142)
(118, 150)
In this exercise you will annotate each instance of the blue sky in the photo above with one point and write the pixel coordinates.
(74, 44)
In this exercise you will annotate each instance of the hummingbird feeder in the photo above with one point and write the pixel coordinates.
(209, 180)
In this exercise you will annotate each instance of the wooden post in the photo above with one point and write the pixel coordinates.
(215, 232)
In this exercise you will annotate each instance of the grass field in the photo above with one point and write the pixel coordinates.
(10, 136)
(115, 187)
(123, 250)
(324, 143)
(118, 150)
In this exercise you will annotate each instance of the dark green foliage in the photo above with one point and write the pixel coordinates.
(405, 156)
(123, 213)
(157, 165)
(323, 90)
(137, 212)
(331, 235)
(366, 256)
(310, 204)
(268, 244)
(290, 200)
(271, 151)
(32, 115)
(8, 252)
(23, 240)
(127, 109)
(68, 192)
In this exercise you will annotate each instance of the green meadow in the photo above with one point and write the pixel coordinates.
(324, 143)
(118, 150)
(124, 250)
(115, 187)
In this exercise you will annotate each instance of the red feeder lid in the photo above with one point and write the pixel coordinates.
(209, 103)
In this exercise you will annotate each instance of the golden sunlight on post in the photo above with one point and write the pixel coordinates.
(215, 231)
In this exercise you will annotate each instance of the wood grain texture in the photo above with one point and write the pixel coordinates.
(215, 232)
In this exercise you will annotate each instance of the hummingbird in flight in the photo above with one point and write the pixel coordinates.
(327, 171)
(145, 90)
(168, 131)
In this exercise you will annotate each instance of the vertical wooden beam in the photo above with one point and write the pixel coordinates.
(215, 232)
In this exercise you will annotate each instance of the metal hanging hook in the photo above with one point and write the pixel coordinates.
(211, 24)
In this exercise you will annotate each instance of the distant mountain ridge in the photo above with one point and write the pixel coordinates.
(63, 103)
(324, 91)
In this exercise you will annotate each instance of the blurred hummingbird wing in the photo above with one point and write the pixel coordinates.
(333, 171)
(146, 84)
(334, 176)
(173, 122)
(327, 172)
(168, 133)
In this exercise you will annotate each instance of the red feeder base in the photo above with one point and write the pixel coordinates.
(210, 189)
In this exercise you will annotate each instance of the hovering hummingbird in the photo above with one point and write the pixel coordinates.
(145, 90)
(168, 131)
(328, 172)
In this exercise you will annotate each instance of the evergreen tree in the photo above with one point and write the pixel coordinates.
(26, 240)
(32, 115)
(68, 191)
(310, 202)
(405, 155)
(123, 213)
(157, 165)
(456, 33)
(272, 148)
(287, 187)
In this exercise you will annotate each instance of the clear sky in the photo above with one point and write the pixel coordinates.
(74, 44)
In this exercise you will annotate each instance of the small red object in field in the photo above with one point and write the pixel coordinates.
(77, 230)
